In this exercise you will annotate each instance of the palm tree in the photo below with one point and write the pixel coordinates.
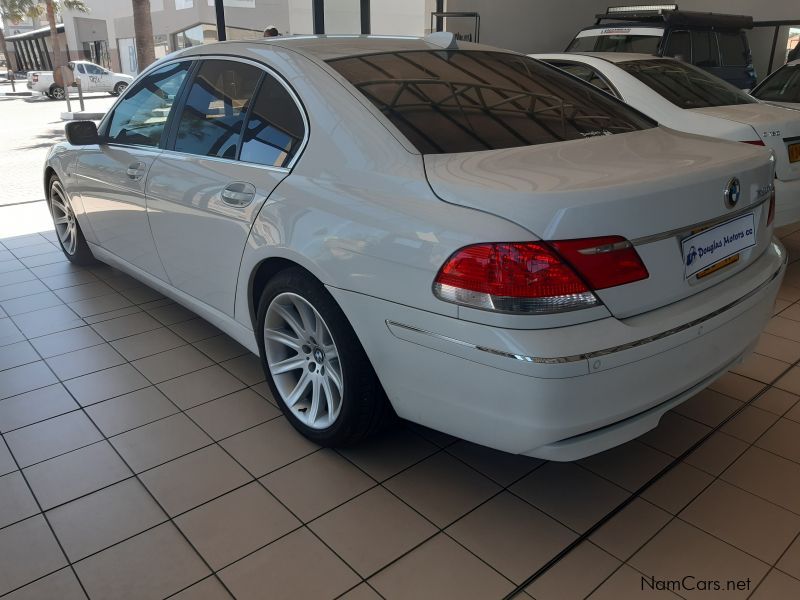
(51, 8)
(143, 33)
(13, 10)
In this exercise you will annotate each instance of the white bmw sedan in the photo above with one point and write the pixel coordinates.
(463, 235)
(782, 87)
(686, 98)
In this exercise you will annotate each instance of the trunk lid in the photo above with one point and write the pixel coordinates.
(776, 126)
(652, 187)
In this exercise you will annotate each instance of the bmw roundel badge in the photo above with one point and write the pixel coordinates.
(733, 192)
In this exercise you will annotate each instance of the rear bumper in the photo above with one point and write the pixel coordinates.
(563, 393)
(787, 202)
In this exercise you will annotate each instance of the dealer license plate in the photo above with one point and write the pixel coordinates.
(794, 153)
(707, 248)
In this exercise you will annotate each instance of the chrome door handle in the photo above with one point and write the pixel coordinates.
(239, 194)
(136, 171)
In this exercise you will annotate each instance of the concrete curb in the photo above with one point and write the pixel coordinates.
(78, 115)
(15, 94)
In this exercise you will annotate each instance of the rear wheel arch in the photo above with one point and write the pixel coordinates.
(49, 173)
(262, 274)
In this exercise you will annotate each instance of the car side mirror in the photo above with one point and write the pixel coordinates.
(82, 133)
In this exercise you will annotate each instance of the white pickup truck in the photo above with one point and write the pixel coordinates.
(94, 78)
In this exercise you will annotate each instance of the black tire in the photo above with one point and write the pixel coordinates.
(82, 254)
(57, 93)
(365, 409)
(119, 88)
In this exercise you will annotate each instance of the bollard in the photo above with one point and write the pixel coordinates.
(66, 89)
(10, 73)
(80, 93)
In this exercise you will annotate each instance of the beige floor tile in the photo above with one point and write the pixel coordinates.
(169, 314)
(124, 326)
(389, 453)
(233, 413)
(186, 482)
(361, 592)
(30, 407)
(442, 488)
(110, 515)
(716, 453)
(113, 314)
(74, 474)
(195, 330)
(778, 347)
(317, 483)
(201, 386)
(736, 386)
(782, 327)
(751, 524)
(21, 288)
(129, 411)
(47, 320)
(154, 564)
(629, 465)
(56, 282)
(768, 476)
(749, 424)
(570, 494)
(277, 568)
(440, 569)
(502, 467)
(29, 551)
(208, 589)
(236, 524)
(140, 294)
(576, 575)
(792, 312)
(677, 487)
(148, 343)
(99, 304)
(82, 362)
(9, 333)
(19, 306)
(439, 438)
(675, 434)
(627, 531)
(159, 442)
(681, 549)
(777, 585)
(172, 363)
(106, 384)
(84, 291)
(25, 378)
(627, 583)
(43, 259)
(791, 381)
(761, 368)
(63, 342)
(16, 500)
(511, 535)
(220, 348)
(776, 401)
(790, 561)
(7, 464)
(783, 438)
(794, 413)
(246, 368)
(52, 437)
(372, 530)
(269, 446)
(62, 585)
(17, 354)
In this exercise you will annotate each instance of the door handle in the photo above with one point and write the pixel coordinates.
(136, 170)
(239, 194)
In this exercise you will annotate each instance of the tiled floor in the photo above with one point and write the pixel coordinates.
(142, 457)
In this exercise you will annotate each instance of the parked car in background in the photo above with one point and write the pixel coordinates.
(782, 87)
(683, 97)
(716, 43)
(460, 233)
(94, 78)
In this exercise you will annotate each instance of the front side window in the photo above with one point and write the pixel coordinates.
(732, 49)
(215, 109)
(684, 85)
(140, 117)
(465, 101)
(275, 129)
(94, 70)
(783, 86)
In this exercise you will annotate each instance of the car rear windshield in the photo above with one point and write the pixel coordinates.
(638, 44)
(783, 86)
(465, 101)
(684, 85)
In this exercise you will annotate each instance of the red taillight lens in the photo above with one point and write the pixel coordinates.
(754, 142)
(532, 277)
(35, 78)
(771, 213)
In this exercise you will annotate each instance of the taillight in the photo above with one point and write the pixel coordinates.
(35, 78)
(754, 142)
(537, 277)
(771, 213)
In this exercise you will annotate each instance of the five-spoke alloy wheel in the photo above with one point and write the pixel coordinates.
(68, 230)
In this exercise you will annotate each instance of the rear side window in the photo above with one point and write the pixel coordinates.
(732, 49)
(679, 46)
(466, 101)
(587, 73)
(140, 116)
(783, 86)
(215, 108)
(684, 85)
(704, 49)
(275, 129)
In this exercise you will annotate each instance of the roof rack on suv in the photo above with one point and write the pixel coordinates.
(669, 14)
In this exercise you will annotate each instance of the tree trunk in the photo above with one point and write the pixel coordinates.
(55, 42)
(143, 33)
(4, 50)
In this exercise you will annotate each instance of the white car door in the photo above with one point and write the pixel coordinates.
(234, 139)
(98, 79)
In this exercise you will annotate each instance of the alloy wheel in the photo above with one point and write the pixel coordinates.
(303, 360)
(58, 93)
(63, 219)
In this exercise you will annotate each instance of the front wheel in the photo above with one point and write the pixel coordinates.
(57, 93)
(314, 364)
(119, 88)
(70, 236)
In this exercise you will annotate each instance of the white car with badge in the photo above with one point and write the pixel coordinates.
(452, 232)
(686, 98)
(782, 87)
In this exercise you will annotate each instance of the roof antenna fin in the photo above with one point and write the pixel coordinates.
(443, 39)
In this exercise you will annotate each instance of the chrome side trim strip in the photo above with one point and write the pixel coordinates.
(657, 237)
(596, 353)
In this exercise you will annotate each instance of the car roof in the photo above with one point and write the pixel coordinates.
(612, 57)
